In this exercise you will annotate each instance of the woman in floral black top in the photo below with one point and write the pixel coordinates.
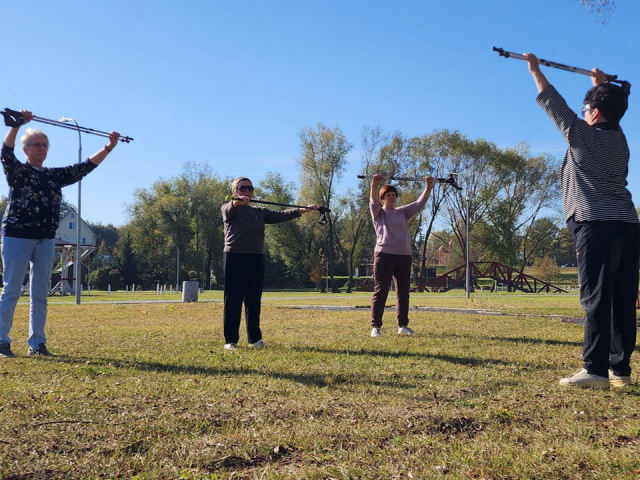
(29, 227)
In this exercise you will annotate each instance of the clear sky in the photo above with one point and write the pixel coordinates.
(233, 82)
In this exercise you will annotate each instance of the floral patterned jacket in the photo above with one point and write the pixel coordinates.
(33, 209)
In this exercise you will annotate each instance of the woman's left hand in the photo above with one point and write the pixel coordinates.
(113, 139)
(309, 208)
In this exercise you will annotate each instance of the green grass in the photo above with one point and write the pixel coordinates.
(520, 303)
(146, 391)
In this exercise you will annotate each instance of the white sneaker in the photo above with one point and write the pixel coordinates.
(405, 331)
(375, 332)
(230, 346)
(258, 344)
(617, 381)
(584, 379)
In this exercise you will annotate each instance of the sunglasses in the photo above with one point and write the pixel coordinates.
(246, 188)
(584, 110)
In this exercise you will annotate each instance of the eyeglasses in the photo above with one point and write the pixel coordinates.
(39, 145)
(584, 111)
(246, 188)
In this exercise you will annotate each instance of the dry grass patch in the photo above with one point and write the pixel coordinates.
(146, 391)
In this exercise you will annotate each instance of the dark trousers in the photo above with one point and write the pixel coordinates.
(608, 254)
(385, 267)
(243, 282)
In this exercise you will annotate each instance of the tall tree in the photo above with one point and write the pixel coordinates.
(322, 164)
(530, 185)
(436, 153)
(289, 242)
(477, 163)
(126, 261)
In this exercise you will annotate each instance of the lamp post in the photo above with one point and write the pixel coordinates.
(468, 279)
(78, 262)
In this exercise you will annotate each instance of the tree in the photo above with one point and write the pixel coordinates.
(477, 164)
(107, 234)
(438, 153)
(288, 242)
(323, 161)
(126, 261)
(564, 247)
(603, 8)
(546, 268)
(530, 185)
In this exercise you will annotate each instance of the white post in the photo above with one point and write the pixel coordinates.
(109, 289)
(127, 289)
(133, 289)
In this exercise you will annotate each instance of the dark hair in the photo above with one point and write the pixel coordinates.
(611, 100)
(386, 189)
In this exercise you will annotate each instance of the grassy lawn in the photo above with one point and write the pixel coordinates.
(146, 391)
(520, 303)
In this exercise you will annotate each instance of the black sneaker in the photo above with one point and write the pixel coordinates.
(40, 350)
(5, 351)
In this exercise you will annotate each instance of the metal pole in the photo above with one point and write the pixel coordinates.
(468, 279)
(78, 262)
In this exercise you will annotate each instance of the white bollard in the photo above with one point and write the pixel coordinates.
(133, 289)
(127, 289)
(109, 289)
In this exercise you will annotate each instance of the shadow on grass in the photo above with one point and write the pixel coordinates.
(318, 380)
(459, 360)
(534, 341)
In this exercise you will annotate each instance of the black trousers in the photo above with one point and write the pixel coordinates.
(608, 254)
(243, 282)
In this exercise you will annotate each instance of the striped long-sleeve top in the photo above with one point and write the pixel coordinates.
(595, 167)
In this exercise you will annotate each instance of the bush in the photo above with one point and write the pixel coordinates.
(101, 278)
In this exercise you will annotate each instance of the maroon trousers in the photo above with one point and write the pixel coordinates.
(385, 267)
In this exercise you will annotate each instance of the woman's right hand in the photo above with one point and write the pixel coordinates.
(241, 200)
(377, 179)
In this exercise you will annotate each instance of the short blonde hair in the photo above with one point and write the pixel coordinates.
(235, 183)
(30, 133)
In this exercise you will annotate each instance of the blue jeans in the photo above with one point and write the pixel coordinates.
(18, 254)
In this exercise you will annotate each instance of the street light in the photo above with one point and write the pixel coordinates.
(78, 262)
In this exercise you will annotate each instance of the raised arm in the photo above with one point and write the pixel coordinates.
(534, 68)
(10, 137)
(375, 186)
(100, 155)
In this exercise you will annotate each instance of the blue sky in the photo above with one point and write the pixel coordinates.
(232, 83)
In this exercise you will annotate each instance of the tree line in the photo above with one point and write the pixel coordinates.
(510, 199)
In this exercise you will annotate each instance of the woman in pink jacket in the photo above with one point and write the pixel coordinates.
(393, 251)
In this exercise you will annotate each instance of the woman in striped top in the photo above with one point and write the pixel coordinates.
(603, 222)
